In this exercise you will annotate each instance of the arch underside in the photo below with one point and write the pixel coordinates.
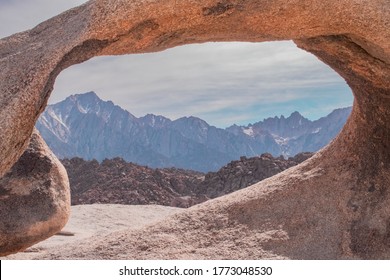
(333, 206)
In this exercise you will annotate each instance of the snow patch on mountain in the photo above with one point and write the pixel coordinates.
(248, 131)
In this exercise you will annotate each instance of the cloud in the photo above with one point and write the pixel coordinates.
(205, 79)
(224, 83)
(20, 15)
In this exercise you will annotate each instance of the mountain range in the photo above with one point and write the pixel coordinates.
(85, 126)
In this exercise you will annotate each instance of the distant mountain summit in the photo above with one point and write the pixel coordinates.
(296, 134)
(85, 126)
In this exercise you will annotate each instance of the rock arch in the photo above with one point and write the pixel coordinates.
(345, 187)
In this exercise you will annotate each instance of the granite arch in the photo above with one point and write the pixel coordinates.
(347, 182)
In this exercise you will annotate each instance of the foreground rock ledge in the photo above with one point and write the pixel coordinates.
(336, 205)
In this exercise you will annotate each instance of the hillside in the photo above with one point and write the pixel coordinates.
(118, 182)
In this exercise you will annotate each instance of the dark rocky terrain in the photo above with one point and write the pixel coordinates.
(241, 173)
(116, 181)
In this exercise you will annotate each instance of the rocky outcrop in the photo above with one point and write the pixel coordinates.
(335, 205)
(34, 198)
(115, 181)
(242, 173)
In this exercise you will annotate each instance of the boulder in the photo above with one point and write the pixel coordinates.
(34, 198)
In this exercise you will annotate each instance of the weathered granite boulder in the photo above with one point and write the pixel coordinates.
(34, 198)
(335, 205)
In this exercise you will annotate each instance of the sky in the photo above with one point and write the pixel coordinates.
(222, 83)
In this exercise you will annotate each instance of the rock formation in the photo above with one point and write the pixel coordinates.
(34, 198)
(115, 181)
(242, 173)
(335, 205)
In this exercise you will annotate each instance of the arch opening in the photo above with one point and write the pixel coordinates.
(225, 84)
(212, 81)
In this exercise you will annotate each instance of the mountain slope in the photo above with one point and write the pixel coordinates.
(85, 126)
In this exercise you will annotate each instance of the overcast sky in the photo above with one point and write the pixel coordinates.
(222, 83)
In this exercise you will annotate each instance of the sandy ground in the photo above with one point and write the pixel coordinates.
(98, 220)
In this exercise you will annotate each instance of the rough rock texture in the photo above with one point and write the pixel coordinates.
(116, 181)
(34, 198)
(335, 205)
(242, 173)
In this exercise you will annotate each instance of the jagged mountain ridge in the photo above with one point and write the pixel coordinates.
(297, 134)
(85, 126)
